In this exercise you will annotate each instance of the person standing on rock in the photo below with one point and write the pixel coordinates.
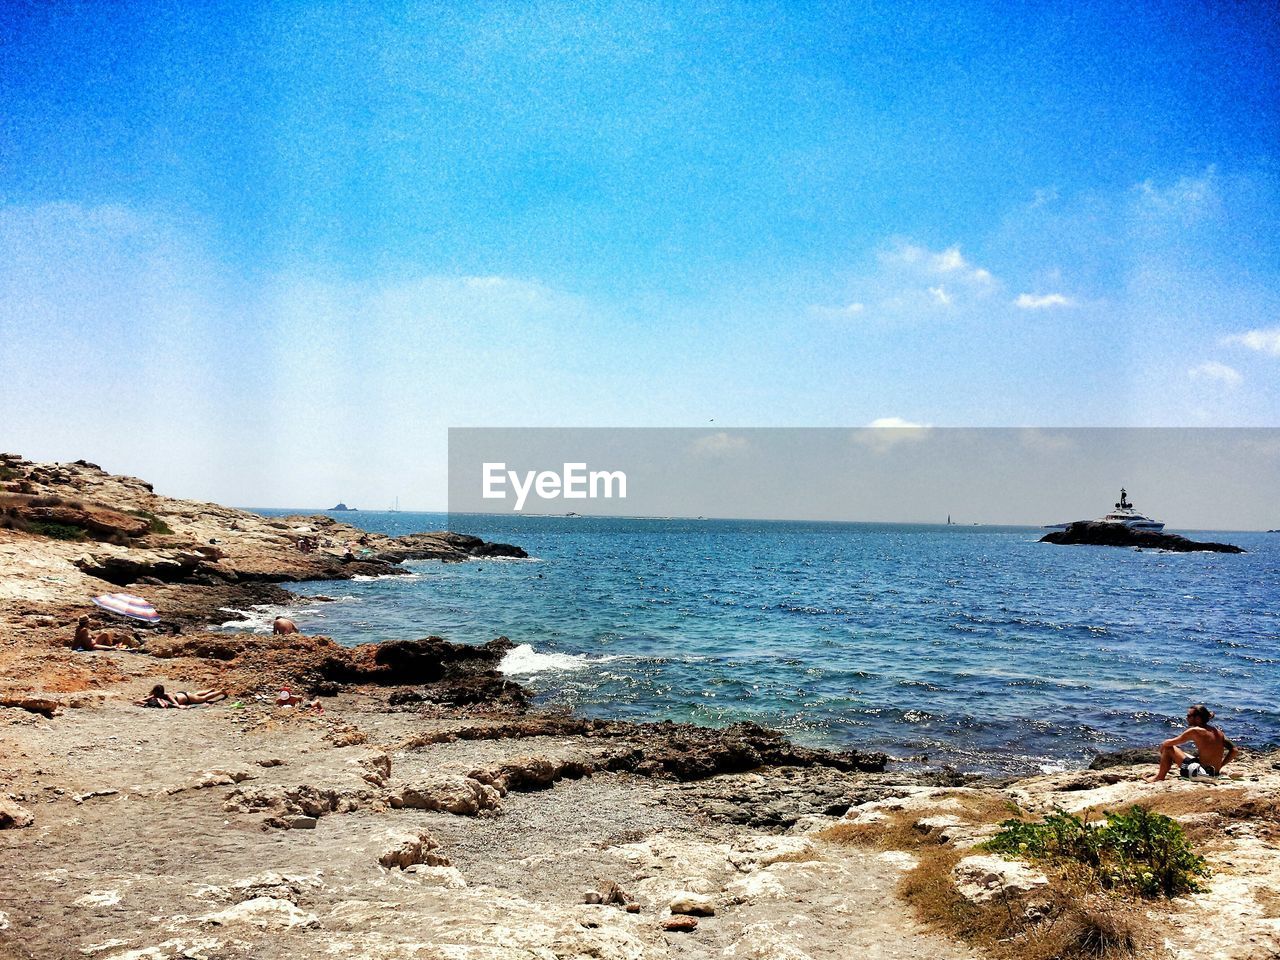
(1213, 750)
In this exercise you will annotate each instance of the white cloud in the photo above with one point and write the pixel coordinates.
(1263, 341)
(895, 423)
(846, 312)
(1215, 371)
(1030, 301)
(950, 263)
(910, 282)
(1188, 198)
(884, 433)
(949, 260)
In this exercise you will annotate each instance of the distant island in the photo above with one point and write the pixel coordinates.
(343, 508)
(1101, 533)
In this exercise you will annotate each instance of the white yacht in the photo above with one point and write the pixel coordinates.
(1127, 514)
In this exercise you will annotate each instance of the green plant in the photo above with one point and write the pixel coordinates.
(1153, 853)
(1137, 849)
(55, 531)
(156, 524)
(8, 473)
(1060, 835)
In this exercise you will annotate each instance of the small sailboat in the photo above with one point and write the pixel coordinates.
(396, 507)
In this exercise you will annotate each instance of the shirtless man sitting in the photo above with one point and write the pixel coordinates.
(1213, 750)
(283, 625)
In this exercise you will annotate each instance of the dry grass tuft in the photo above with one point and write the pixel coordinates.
(1072, 919)
(894, 833)
(898, 832)
(1088, 933)
(1181, 803)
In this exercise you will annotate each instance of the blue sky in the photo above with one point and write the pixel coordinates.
(269, 253)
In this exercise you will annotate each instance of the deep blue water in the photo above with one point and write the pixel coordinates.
(975, 646)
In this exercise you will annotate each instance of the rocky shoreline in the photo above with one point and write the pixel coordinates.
(420, 807)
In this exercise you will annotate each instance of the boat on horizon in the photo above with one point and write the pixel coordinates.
(1123, 513)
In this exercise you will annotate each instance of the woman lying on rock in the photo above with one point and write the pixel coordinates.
(180, 700)
(1213, 750)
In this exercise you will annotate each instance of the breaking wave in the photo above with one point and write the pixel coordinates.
(524, 660)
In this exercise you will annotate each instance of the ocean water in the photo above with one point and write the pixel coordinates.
(971, 646)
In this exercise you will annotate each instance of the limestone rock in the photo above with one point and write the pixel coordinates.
(96, 520)
(13, 816)
(446, 877)
(984, 878)
(44, 706)
(683, 924)
(1102, 534)
(447, 546)
(1126, 758)
(412, 849)
(167, 566)
(264, 912)
(303, 800)
(692, 904)
(459, 795)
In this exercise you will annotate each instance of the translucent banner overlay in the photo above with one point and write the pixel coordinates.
(1189, 479)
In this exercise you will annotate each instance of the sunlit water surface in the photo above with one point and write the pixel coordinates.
(974, 646)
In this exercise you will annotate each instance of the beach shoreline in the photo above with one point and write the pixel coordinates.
(424, 809)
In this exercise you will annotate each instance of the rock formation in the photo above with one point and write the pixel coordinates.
(1101, 534)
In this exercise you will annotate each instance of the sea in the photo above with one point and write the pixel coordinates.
(974, 647)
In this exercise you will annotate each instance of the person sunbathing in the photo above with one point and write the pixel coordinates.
(180, 700)
(84, 640)
(1213, 750)
(284, 626)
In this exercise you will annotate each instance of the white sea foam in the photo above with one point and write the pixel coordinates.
(261, 618)
(257, 619)
(499, 560)
(525, 660)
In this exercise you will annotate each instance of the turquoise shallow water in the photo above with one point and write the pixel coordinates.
(975, 646)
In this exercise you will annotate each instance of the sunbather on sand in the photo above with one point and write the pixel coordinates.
(1213, 750)
(182, 699)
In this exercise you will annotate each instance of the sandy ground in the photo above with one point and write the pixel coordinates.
(140, 849)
